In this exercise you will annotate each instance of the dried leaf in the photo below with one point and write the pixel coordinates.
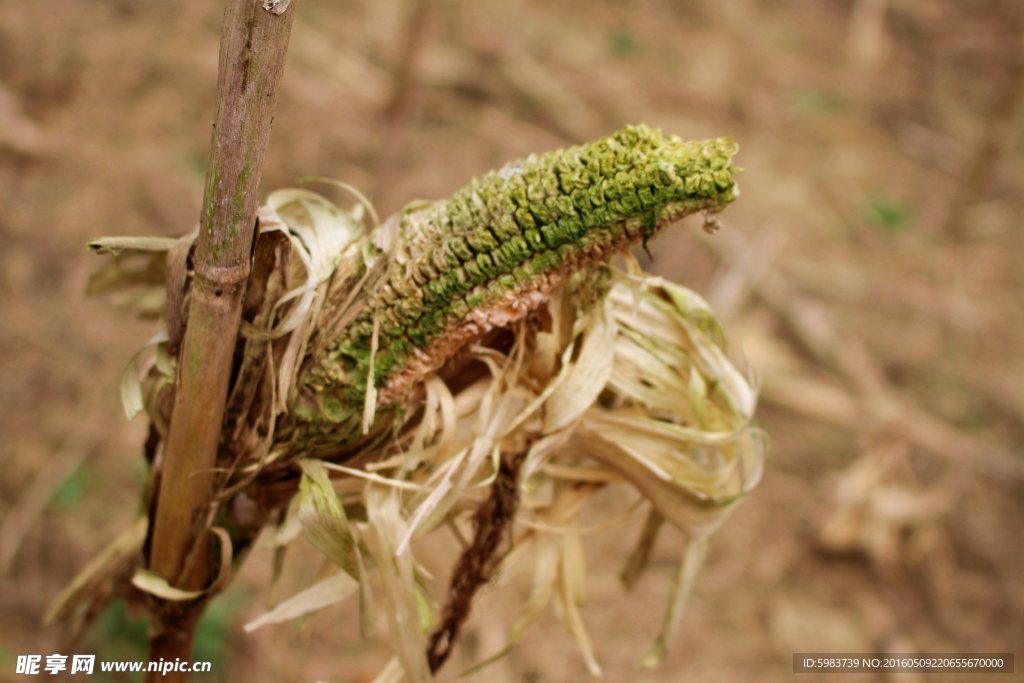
(682, 587)
(397, 573)
(132, 399)
(575, 623)
(636, 563)
(323, 517)
(587, 377)
(154, 584)
(116, 246)
(104, 567)
(392, 673)
(321, 594)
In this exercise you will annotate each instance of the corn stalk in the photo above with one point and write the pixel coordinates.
(254, 42)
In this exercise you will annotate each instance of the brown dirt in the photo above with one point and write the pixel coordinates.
(879, 302)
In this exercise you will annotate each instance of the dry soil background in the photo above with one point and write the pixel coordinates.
(872, 274)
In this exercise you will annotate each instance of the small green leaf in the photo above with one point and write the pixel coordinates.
(624, 44)
(69, 492)
(889, 215)
(808, 100)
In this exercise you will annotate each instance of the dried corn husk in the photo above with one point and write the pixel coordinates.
(620, 379)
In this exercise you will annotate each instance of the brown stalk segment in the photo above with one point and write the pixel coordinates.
(254, 42)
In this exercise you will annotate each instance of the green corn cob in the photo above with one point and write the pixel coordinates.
(494, 251)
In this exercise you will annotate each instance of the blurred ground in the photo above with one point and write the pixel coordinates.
(872, 273)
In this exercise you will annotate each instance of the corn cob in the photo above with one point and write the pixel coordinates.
(494, 251)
